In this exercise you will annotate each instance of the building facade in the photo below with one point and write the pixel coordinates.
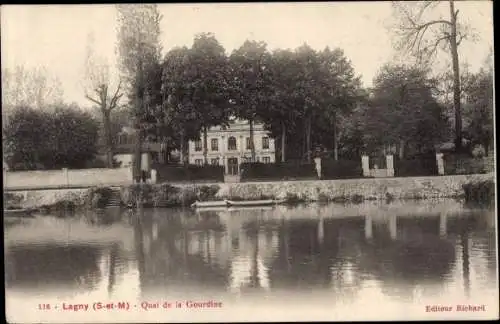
(230, 146)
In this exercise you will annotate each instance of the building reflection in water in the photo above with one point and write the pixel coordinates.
(334, 249)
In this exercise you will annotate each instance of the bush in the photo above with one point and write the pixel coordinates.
(423, 165)
(38, 139)
(341, 169)
(463, 164)
(172, 173)
(277, 171)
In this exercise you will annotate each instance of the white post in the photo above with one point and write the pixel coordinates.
(440, 163)
(390, 165)
(365, 165)
(317, 161)
(153, 176)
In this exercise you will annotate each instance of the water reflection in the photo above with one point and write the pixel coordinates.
(405, 251)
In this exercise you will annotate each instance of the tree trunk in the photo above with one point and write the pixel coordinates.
(252, 144)
(181, 157)
(308, 138)
(401, 149)
(335, 139)
(107, 137)
(283, 141)
(456, 78)
(205, 143)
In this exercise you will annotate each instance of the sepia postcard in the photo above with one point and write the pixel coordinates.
(234, 162)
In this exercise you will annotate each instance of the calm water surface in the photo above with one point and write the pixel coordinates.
(329, 262)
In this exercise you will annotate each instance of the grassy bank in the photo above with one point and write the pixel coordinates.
(471, 187)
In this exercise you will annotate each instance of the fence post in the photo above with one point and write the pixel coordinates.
(440, 163)
(153, 176)
(390, 165)
(365, 163)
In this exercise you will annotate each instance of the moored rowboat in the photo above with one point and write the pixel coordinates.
(204, 204)
(267, 202)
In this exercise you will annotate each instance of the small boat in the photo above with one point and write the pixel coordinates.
(18, 213)
(267, 202)
(209, 204)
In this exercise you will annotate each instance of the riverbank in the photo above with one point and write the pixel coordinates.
(166, 195)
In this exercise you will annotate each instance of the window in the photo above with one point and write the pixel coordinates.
(198, 162)
(197, 145)
(248, 143)
(265, 142)
(214, 144)
(215, 161)
(231, 143)
(266, 159)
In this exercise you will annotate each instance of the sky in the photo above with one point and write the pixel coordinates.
(55, 36)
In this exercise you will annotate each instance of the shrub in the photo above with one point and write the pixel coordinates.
(341, 169)
(277, 171)
(39, 139)
(463, 164)
(190, 172)
(423, 165)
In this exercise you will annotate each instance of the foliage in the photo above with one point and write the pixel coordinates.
(341, 169)
(37, 139)
(478, 109)
(403, 103)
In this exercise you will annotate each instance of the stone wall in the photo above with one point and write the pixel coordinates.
(85, 177)
(379, 188)
(325, 190)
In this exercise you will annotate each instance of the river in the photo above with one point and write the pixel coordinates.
(371, 261)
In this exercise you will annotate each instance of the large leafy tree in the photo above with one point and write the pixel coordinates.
(404, 102)
(340, 93)
(182, 119)
(478, 108)
(280, 113)
(250, 83)
(209, 85)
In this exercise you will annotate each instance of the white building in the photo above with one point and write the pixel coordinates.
(230, 146)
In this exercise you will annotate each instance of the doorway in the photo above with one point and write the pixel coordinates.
(232, 166)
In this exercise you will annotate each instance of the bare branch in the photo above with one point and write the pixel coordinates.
(93, 100)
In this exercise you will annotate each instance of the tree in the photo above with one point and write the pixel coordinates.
(181, 118)
(250, 83)
(422, 36)
(340, 91)
(209, 84)
(29, 87)
(99, 91)
(139, 51)
(280, 114)
(403, 102)
(65, 136)
(478, 108)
